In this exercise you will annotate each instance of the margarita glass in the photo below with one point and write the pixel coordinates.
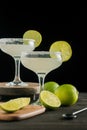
(41, 62)
(14, 47)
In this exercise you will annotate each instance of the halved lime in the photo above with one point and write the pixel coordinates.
(49, 100)
(34, 35)
(63, 47)
(15, 104)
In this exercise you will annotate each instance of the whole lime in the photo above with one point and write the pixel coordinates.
(67, 93)
(51, 86)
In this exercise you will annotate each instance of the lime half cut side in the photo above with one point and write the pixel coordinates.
(33, 35)
(63, 47)
(15, 104)
(49, 100)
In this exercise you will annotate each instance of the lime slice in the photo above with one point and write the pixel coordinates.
(15, 104)
(49, 100)
(64, 47)
(34, 35)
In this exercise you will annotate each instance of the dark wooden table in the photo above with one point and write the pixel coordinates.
(52, 120)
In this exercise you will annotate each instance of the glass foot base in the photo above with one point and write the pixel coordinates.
(19, 84)
(37, 102)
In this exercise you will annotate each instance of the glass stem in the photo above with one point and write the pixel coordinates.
(17, 71)
(41, 77)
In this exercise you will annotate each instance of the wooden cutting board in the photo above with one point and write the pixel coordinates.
(31, 88)
(27, 112)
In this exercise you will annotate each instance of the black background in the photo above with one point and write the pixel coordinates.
(55, 22)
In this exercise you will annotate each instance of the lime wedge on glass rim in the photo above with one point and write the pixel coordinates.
(15, 104)
(33, 35)
(63, 47)
(49, 100)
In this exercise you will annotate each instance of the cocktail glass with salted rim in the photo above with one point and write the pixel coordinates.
(41, 62)
(14, 47)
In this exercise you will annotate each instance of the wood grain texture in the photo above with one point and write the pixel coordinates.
(52, 120)
(18, 90)
(26, 112)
